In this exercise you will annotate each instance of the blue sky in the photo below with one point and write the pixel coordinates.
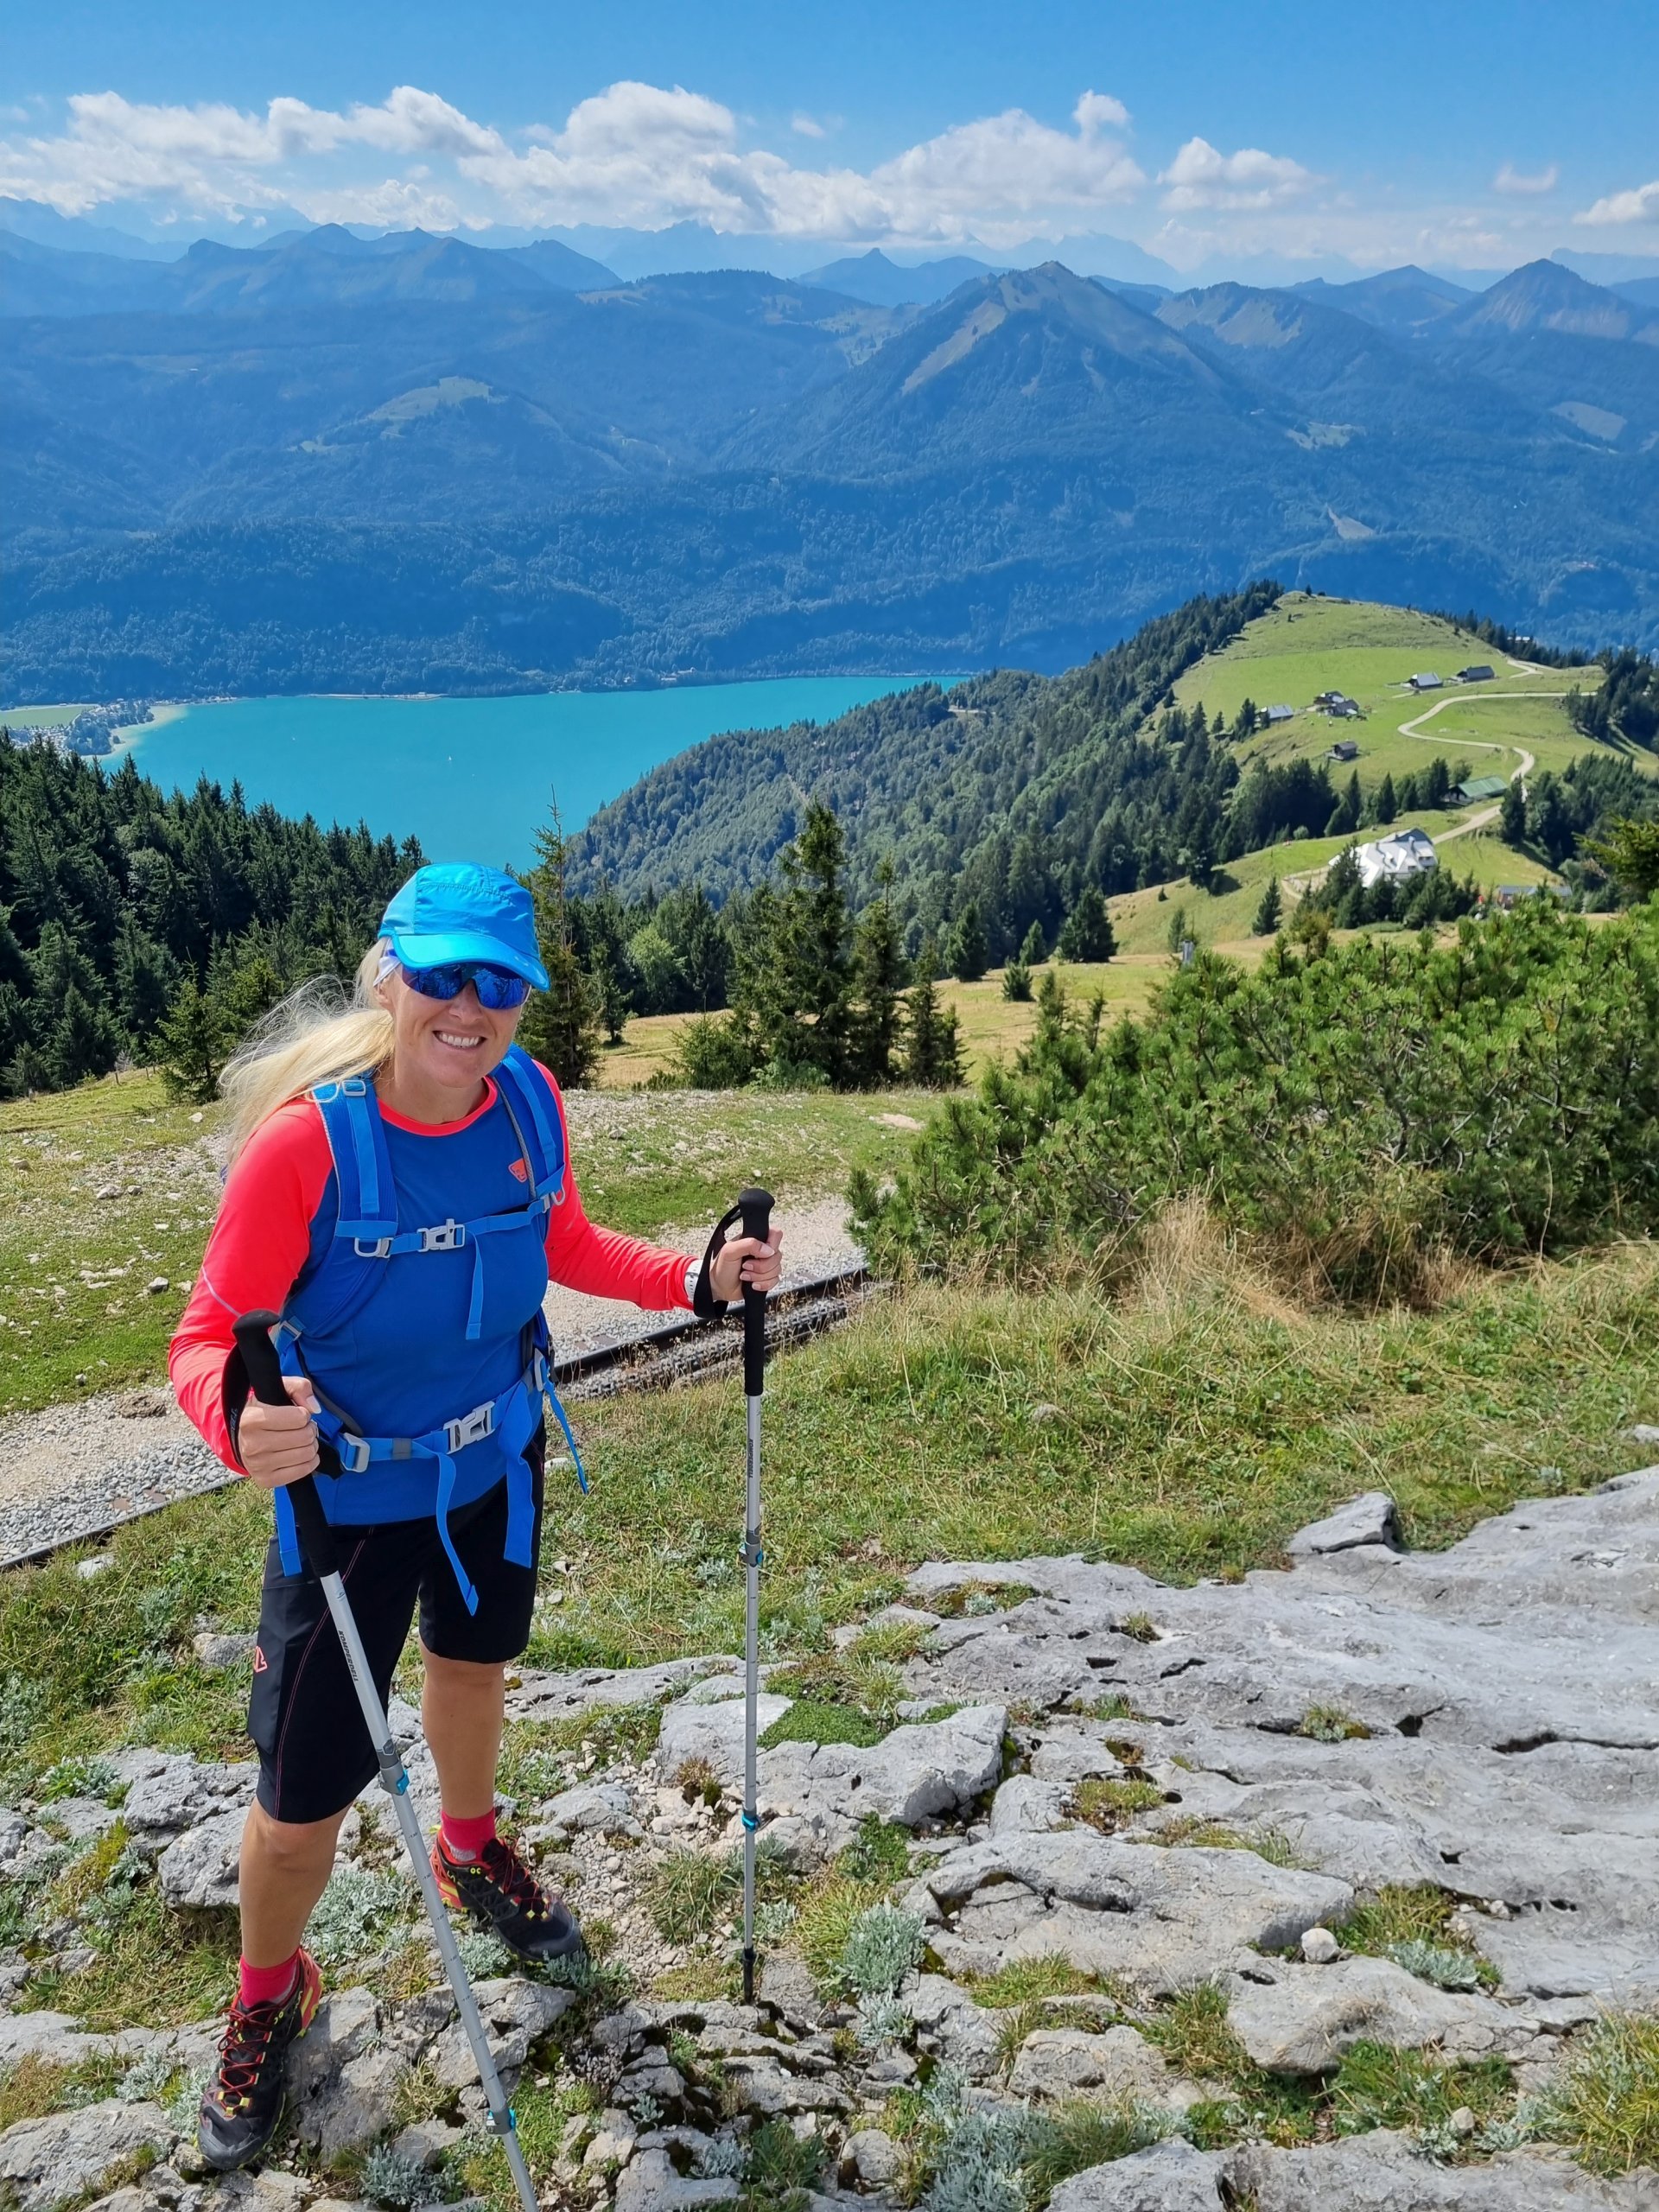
(1465, 134)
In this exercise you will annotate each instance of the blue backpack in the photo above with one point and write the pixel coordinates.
(407, 1478)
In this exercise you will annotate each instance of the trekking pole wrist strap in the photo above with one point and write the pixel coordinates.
(705, 1304)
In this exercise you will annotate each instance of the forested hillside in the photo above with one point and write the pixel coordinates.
(129, 919)
(446, 468)
(1010, 790)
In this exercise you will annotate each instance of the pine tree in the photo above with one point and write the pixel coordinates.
(1177, 932)
(932, 1057)
(1034, 950)
(1088, 933)
(969, 951)
(880, 974)
(1388, 805)
(1512, 815)
(146, 976)
(559, 1025)
(84, 1041)
(191, 1043)
(1344, 815)
(1016, 982)
(1269, 913)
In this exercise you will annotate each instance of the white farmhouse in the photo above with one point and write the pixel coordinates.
(1408, 852)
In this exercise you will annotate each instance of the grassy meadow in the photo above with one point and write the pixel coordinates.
(1188, 1427)
(108, 1189)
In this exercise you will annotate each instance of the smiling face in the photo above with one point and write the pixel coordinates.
(443, 1048)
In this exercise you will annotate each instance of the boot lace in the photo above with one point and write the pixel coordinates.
(508, 1873)
(243, 2050)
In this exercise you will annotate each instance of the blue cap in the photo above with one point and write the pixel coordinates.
(455, 911)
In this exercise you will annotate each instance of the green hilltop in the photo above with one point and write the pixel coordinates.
(1148, 770)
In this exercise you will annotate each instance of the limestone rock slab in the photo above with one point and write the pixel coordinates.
(46, 2162)
(1162, 1917)
(1172, 2177)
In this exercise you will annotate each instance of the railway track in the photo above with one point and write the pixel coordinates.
(676, 1353)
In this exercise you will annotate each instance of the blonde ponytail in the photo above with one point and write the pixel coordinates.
(317, 1034)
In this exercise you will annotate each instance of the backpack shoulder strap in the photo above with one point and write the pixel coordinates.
(357, 1139)
(368, 1205)
(535, 1117)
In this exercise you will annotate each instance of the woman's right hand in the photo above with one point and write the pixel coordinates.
(278, 1445)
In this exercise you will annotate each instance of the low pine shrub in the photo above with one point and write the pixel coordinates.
(1355, 1111)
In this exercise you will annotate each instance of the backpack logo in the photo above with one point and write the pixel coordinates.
(519, 1169)
(258, 1661)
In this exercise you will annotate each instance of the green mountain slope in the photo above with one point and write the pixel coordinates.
(1011, 789)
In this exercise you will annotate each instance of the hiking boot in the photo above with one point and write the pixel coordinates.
(497, 1892)
(243, 2105)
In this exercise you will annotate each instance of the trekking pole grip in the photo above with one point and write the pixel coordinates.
(265, 1373)
(755, 1208)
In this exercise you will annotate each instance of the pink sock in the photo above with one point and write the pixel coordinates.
(464, 1839)
(268, 1985)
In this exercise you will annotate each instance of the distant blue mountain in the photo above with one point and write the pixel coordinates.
(34, 220)
(326, 267)
(883, 283)
(413, 462)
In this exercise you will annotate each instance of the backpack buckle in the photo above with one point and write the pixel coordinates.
(352, 1453)
(371, 1248)
(448, 1237)
(470, 1428)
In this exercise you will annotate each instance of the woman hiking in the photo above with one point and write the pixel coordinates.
(401, 1194)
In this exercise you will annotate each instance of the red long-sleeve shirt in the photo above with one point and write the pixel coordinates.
(277, 1215)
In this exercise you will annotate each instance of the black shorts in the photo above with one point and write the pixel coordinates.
(315, 1753)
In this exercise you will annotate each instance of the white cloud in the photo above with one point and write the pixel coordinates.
(1511, 179)
(634, 154)
(807, 126)
(1202, 176)
(1640, 206)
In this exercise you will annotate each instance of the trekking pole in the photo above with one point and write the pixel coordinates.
(755, 1208)
(317, 1540)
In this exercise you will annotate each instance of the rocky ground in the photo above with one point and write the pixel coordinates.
(1333, 1888)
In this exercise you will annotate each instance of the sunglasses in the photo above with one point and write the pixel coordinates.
(497, 988)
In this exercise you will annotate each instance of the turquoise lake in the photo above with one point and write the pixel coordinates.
(471, 779)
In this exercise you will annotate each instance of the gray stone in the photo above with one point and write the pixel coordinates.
(1380, 2173)
(55, 2038)
(1067, 2063)
(1025, 1802)
(199, 1868)
(1644, 1433)
(48, 2162)
(1163, 1917)
(918, 1772)
(541, 1696)
(871, 2158)
(786, 1982)
(1320, 1947)
(1368, 1519)
(424, 2142)
(169, 1791)
(1302, 2020)
(1076, 1755)
(605, 1806)
(612, 2141)
(216, 1650)
(949, 2025)
(694, 1730)
(649, 2183)
(1172, 2177)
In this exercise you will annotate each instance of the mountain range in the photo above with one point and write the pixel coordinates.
(415, 462)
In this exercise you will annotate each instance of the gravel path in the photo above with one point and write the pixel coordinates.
(76, 1467)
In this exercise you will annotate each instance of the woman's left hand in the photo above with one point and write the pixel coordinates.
(745, 1260)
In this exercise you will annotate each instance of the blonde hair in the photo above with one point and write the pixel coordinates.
(317, 1034)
